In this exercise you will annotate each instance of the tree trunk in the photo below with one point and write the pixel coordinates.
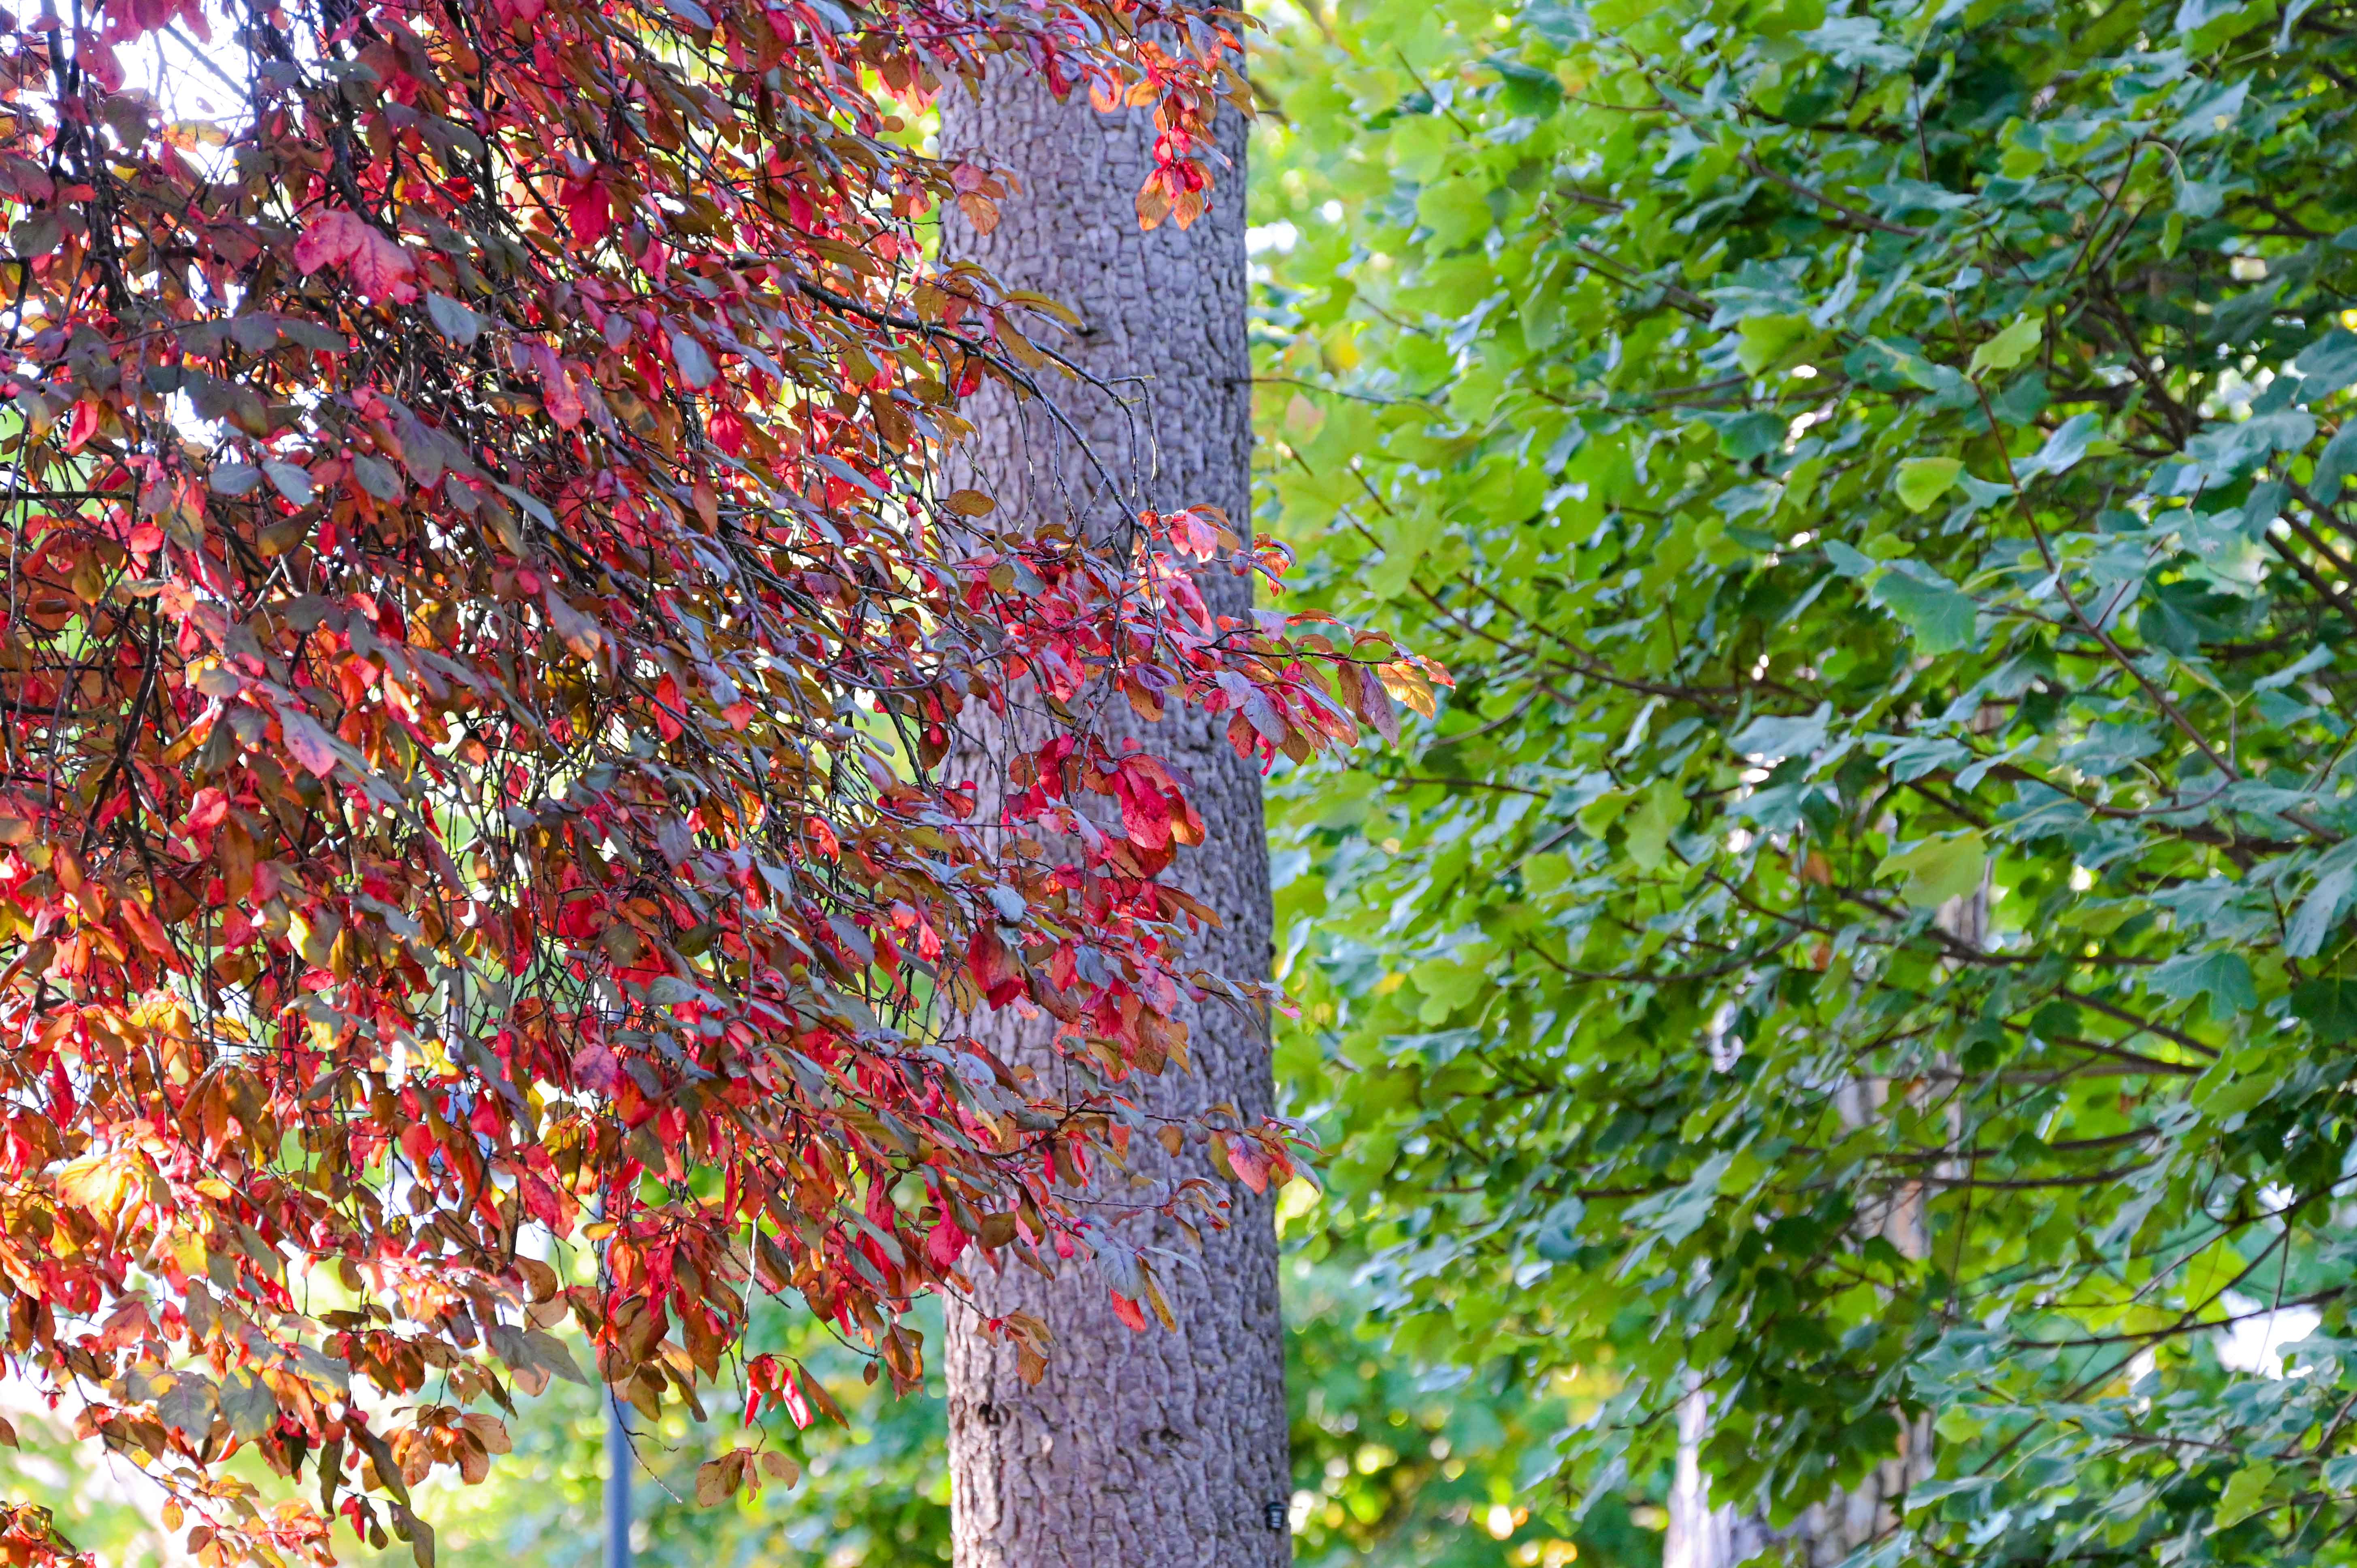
(1701, 1535)
(1160, 1449)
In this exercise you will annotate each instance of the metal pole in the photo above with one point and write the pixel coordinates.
(619, 1457)
(618, 1484)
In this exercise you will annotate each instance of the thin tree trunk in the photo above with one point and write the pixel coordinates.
(1160, 1449)
(1702, 1536)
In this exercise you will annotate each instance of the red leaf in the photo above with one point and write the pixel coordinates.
(208, 811)
(86, 416)
(144, 927)
(995, 969)
(330, 241)
(595, 1066)
(667, 706)
(945, 1243)
(382, 268)
(1369, 700)
(359, 755)
(1145, 809)
(728, 431)
(579, 632)
(1127, 1311)
(789, 1392)
(588, 208)
(1251, 1165)
(558, 389)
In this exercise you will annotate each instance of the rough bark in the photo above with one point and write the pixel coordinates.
(1161, 1449)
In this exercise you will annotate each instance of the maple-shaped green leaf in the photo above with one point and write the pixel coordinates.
(1937, 614)
(2004, 924)
(2329, 1006)
(2223, 977)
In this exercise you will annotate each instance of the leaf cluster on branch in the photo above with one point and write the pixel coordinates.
(483, 624)
(1860, 458)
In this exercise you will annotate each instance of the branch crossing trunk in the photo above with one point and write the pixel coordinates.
(1165, 1448)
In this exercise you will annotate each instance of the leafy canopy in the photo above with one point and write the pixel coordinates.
(1860, 460)
(481, 633)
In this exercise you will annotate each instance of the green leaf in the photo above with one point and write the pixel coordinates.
(1766, 343)
(2009, 347)
(1771, 736)
(2064, 446)
(1939, 869)
(694, 361)
(2336, 462)
(2329, 1006)
(1527, 90)
(551, 1355)
(1621, 610)
(377, 477)
(2231, 1088)
(1922, 480)
(1455, 211)
(188, 1404)
(1659, 812)
(2222, 977)
(1680, 1212)
(453, 320)
(2319, 913)
(2245, 1493)
(2327, 364)
(290, 481)
(247, 1400)
(1849, 561)
(1939, 615)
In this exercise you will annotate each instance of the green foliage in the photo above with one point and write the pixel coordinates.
(1862, 462)
(1398, 1463)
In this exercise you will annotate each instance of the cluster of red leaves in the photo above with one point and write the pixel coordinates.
(482, 631)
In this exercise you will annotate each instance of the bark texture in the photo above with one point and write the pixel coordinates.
(1157, 1449)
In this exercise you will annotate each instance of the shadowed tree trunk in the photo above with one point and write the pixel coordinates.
(1163, 1448)
(1701, 1535)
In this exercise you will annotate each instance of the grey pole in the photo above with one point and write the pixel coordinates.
(618, 1484)
(619, 1457)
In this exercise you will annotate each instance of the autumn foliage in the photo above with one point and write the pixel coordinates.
(483, 632)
